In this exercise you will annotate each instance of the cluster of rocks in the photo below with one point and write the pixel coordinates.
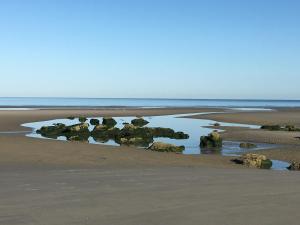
(213, 140)
(131, 134)
(280, 128)
(254, 161)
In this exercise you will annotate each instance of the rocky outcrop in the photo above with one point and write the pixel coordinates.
(52, 131)
(247, 145)
(82, 119)
(169, 133)
(164, 147)
(109, 121)
(139, 122)
(94, 122)
(294, 166)
(78, 128)
(255, 161)
(213, 140)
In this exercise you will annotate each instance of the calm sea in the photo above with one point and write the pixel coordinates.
(139, 102)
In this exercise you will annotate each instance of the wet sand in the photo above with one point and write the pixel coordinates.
(53, 182)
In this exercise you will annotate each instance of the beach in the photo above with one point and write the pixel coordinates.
(58, 182)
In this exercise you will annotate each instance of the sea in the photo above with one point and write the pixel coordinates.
(44, 102)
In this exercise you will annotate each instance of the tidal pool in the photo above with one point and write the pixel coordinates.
(193, 127)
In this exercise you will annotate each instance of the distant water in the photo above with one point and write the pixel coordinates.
(140, 102)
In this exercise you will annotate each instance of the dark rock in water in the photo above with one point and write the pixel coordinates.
(52, 131)
(180, 135)
(271, 127)
(82, 119)
(247, 145)
(102, 132)
(164, 147)
(71, 117)
(139, 122)
(94, 122)
(266, 164)
(254, 161)
(131, 131)
(169, 133)
(294, 166)
(216, 124)
(212, 140)
(78, 128)
(109, 121)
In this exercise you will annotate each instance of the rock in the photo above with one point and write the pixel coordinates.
(139, 122)
(294, 166)
(164, 147)
(109, 121)
(212, 140)
(52, 131)
(266, 164)
(131, 131)
(271, 127)
(247, 145)
(94, 122)
(100, 128)
(216, 124)
(71, 117)
(102, 132)
(78, 128)
(82, 119)
(256, 161)
(136, 141)
(169, 133)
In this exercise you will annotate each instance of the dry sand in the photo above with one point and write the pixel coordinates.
(53, 182)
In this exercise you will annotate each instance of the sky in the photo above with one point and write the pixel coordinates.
(150, 49)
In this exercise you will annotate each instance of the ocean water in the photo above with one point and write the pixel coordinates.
(142, 102)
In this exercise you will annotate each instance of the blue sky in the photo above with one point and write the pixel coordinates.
(168, 49)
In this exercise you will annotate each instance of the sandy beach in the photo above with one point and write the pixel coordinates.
(56, 182)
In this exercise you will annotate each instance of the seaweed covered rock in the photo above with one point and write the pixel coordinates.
(139, 122)
(294, 166)
(212, 140)
(102, 132)
(94, 122)
(82, 119)
(131, 131)
(247, 145)
(71, 117)
(78, 128)
(255, 161)
(109, 121)
(136, 141)
(52, 131)
(169, 133)
(164, 147)
(271, 127)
